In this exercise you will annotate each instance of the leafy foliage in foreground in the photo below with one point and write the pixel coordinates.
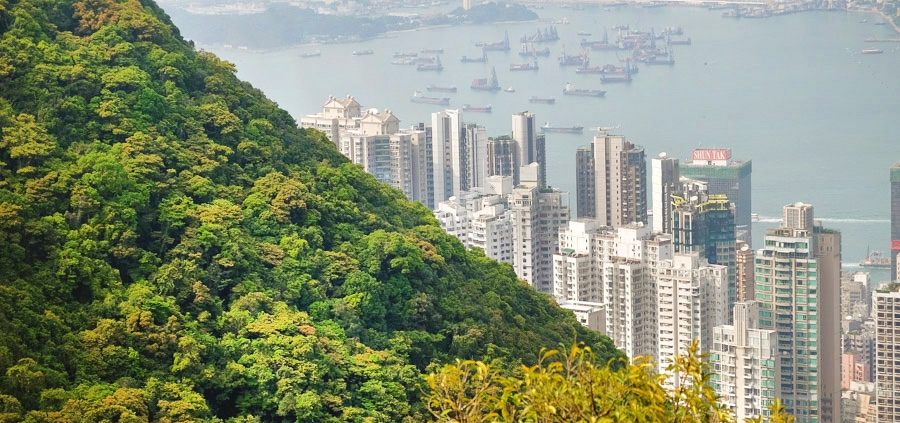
(173, 248)
(570, 387)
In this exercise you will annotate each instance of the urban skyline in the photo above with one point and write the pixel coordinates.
(685, 268)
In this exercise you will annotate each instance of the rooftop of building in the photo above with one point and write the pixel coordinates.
(895, 172)
(889, 288)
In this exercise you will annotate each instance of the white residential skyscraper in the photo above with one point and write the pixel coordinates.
(887, 353)
(744, 360)
(665, 176)
(538, 216)
(448, 154)
(616, 267)
(692, 297)
(530, 143)
(798, 290)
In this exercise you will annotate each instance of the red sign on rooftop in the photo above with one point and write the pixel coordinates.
(895, 244)
(712, 154)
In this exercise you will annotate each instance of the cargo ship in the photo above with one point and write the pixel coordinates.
(433, 51)
(485, 109)
(405, 55)
(571, 90)
(523, 66)
(686, 42)
(502, 45)
(417, 97)
(362, 52)
(656, 60)
(875, 259)
(450, 89)
(316, 53)
(539, 100)
(404, 61)
(487, 84)
(482, 59)
(526, 52)
(872, 51)
(542, 36)
(562, 129)
(574, 60)
(436, 66)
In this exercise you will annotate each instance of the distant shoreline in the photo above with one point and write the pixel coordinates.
(393, 33)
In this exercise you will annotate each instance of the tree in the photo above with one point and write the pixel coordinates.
(575, 387)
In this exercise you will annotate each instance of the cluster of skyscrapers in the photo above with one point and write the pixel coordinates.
(655, 279)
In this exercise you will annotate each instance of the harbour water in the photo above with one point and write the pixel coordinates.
(792, 93)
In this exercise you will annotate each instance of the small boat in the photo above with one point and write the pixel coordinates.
(539, 100)
(872, 51)
(510, 89)
(362, 52)
(450, 89)
(316, 53)
(562, 129)
(417, 97)
(485, 109)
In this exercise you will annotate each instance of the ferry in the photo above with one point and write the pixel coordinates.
(872, 51)
(754, 217)
(485, 109)
(450, 89)
(571, 90)
(417, 97)
(316, 53)
(523, 66)
(362, 52)
(539, 100)
(562, 129)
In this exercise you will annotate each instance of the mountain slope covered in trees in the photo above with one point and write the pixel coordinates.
(173, 248)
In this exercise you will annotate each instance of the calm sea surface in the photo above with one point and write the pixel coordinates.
(792, 93)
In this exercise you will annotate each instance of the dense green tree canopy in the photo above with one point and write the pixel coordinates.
(173, 248)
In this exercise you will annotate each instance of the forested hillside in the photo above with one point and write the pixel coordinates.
(174, 249)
